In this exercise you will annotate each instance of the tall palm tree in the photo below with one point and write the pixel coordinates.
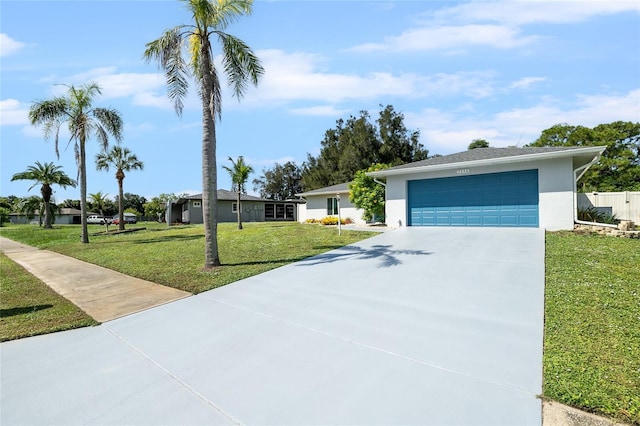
(46, 174)
(240, 64)
(83, 121)
(123, 160)
(239, 173)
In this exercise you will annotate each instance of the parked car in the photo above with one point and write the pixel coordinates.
(96, 219)
(128, 218)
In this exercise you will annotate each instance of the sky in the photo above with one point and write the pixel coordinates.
(457, 71)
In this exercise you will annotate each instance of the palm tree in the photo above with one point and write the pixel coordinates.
(240, 64)
(98, 201)
(239, 173)
(83, 121)
(123, 160)
(46, 174)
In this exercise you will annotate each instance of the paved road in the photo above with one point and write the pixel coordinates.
(415, 326)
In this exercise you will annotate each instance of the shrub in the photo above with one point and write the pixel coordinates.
(332, 220)
(592, 214)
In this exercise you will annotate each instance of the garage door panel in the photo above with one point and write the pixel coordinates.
(495, 199)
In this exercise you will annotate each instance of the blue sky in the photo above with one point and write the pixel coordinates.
(501, 71)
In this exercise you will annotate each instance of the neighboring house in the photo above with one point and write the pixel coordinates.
(511, 187)
(323, 202)
(65, 216)
(252, 209)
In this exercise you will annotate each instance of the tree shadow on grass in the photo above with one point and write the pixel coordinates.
(167, 238)
(11, 312)
(266, 262)
(385, 253)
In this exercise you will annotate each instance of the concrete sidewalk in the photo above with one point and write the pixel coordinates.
(100, 292)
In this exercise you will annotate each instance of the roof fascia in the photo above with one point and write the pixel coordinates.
(596, 150)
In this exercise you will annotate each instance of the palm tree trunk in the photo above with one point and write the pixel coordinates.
(209, 172)
(238, 210)
(120, 205)
(45, 191)
(83, 191)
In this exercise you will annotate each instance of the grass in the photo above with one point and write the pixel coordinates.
(174, 256)
(28, 307)
(592, 324)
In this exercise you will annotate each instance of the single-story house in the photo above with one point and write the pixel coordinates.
(252, 209)
(511, 187)
(323, 202)
(65, 216)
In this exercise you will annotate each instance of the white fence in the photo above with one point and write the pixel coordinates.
(625, 205)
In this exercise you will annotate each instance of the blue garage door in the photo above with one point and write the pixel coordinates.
(493, 199)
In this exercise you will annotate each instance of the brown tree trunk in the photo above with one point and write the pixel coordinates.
(46, 191)
(209, 172)
(83, 192)
(120, 178)
(239, 210)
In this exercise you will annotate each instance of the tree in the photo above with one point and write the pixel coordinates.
(156, 207)
(28, 207)
(356, 144)
(398, 145)
(46, 174)
(282, 182)
(133, 202)
(4, 215)
(239, 173)
(619, 167)
(478, 143)
(123, 160)
(83, 121)
(99, 201)
(240, 64)
(367, 194)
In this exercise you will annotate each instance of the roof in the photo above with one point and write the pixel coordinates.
(490, 156)
(341, 188)
(223, 195)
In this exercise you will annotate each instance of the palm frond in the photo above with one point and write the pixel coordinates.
(240, 63)
(228, 11)
(167, 50)
(111, 120)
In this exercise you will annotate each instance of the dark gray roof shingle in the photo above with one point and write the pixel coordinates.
(482, 154)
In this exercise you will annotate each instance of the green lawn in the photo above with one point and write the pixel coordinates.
(592, 324)
(28, 307)
(174, 256)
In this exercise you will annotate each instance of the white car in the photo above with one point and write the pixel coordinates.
(96, 219)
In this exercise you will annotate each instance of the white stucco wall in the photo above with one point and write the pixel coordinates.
(316, 208)
(555, 185)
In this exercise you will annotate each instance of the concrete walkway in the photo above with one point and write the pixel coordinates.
(102, 293)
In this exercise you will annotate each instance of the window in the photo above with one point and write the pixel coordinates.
(234, 208)
(332, 206)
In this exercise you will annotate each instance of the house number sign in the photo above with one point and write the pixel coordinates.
(462, 171)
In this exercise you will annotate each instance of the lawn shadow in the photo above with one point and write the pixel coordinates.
(385, 253)
(11, 312)
(166, 238)
(266, 262)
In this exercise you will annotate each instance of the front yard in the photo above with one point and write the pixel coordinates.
(592, 309)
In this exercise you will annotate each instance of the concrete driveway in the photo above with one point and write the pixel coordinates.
(433, 326)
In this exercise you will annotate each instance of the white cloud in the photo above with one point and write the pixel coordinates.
(448, 132)
(9, 46)
(450, 37)
(529, 12)
(320, 111)
(12, 113)
(525, 82)
(302, 77)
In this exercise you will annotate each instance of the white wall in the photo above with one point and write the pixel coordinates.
(316, 208)
(625, 205)
(555, 184)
